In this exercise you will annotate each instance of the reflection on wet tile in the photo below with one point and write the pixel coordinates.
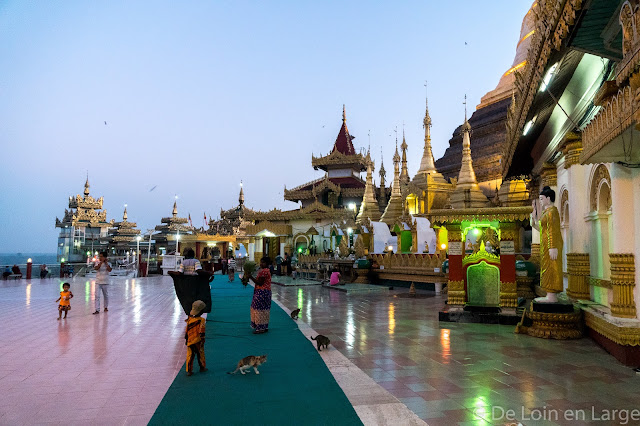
(112, 368)
(460, 373)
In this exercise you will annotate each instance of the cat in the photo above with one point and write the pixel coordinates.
(321, 341)
(248, 362)
(294, 314)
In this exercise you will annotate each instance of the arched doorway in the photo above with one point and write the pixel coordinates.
(599, 215)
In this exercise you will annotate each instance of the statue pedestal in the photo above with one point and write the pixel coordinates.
(552, 321)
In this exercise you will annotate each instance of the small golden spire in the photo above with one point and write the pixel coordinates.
(344, 114)
(175, 209)
(86, 186)
(124, 216)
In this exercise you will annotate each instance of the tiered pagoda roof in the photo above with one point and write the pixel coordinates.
(84, 211)
(174, 223)
(342, 157)
(343, 154)
(231, 221)
(124, 231)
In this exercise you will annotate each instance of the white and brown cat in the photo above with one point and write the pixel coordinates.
(249, 361)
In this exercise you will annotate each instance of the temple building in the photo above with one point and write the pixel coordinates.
(83, 228)
(574, 126)
(171, 231)
(329, 208)
(122, 237)
(341, 186)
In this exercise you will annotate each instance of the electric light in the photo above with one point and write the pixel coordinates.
(443, 246)
(300, 250)
(349, 230)
(390, 248)
(138, 238)
(476, 231)
(29, 260)
(352, 206)
(62, 260)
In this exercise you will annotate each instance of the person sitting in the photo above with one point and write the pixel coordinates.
(44, 271)
(16, 271)
(6, 273)
(335, 277)
(190, 264)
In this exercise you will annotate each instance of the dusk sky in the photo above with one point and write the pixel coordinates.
(198, 96)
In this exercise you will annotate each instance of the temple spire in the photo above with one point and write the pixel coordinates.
(241, 196)
(467, 193)
(427, 164)
(395, 206)
(467, 174)
(124, 215)
(175, 209)
(382, 193)
(344, 114)
(404, 173)
(86, 186)
(369, 206)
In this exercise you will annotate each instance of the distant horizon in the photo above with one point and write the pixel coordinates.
(156, 100)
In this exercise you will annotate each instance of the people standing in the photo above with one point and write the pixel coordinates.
(261, 302)
(190, 264)
(286, 265)
(44, 271)
(231, 268)
(102, 281)
(64, 299)
(194, 337)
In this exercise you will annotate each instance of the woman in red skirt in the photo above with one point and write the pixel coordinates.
(261, 303)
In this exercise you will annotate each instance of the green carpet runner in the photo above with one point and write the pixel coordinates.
(294, 386)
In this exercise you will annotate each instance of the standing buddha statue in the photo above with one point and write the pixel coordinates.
(548, 223)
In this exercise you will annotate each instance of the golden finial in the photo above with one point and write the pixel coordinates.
(124, 216)
(175, 207)
(344, 114)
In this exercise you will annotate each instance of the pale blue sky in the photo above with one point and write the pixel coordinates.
(199, 95)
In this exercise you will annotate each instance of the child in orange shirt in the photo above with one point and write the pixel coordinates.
(65, 297)
(194, 337)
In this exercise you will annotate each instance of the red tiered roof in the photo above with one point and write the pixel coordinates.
(343, 142)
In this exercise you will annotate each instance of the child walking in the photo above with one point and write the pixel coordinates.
(194, 337)
(65, 297)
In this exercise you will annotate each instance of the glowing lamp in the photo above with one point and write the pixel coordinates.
(62, 260)
(443, 246)
(300, 250)
(476, 231)
(139, 238)
(29, 260)
(349, 230)
(390, 248)
(352, 206)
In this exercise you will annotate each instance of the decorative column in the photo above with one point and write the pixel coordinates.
(508, 286)
(251, 249)
(623, 281)
(578, 269)
(457, 292)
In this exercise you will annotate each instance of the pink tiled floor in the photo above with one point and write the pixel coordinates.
(112, 368)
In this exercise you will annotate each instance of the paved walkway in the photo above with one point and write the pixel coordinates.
(114, 368)
(451, 373)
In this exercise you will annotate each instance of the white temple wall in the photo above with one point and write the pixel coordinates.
(563, 184)
(625, 217)
(636, 221)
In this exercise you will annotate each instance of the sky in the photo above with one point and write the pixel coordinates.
(198, 96)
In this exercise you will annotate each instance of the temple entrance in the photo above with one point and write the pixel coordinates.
(271, 247)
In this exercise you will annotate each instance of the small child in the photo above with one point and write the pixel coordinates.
(194, 337)
(335, 277)
(65, 297)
